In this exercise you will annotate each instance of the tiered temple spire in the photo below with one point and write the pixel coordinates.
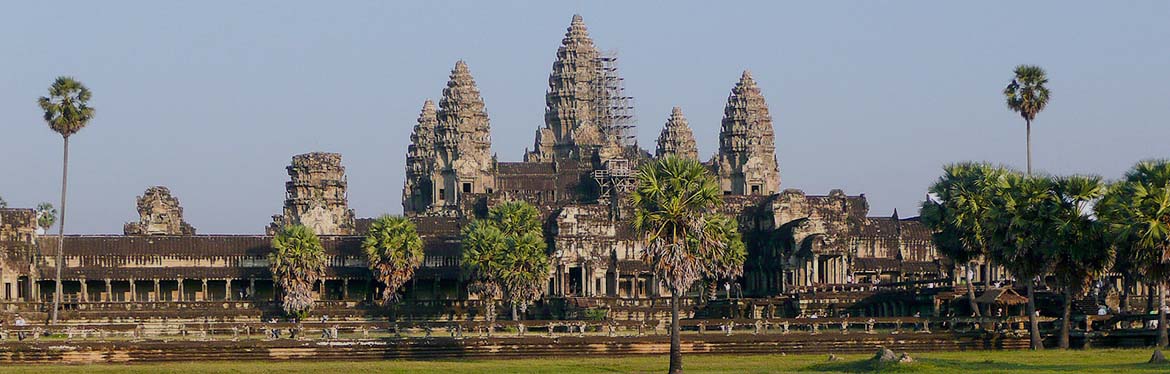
(417, 193)
(676, 138)
(463, 161)
(746, 163)
(570, 126)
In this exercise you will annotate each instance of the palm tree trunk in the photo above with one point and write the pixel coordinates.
(1033, 323)
(57, 292)
(1028, 124)
(675, 340)
(1162, 314)
(1067, 320)
(971, 292)
(514, 314)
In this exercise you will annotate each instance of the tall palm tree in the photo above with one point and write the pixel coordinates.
(1078, 248)
(46, 216)
(297, 262)
(67, 111)
(961, 205)
(672, 202)
(483, 251)
(1022, 227)
(1028, 95)
(1137, 213)
(515, 218)
(394, 250)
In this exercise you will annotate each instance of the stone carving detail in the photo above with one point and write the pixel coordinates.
(676, 138)
(746, 163)
(159, 213)
(418, 194)
(316, 196)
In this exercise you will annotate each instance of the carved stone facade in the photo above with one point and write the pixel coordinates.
(746, 163)
(159, 213)
(315, 196)
(18, 239)
(676, 138)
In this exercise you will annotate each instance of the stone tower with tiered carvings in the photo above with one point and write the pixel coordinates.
(463, 160)
(315, 196)
(746, 162)
(418, 194)
(159, 213)
(676, 138)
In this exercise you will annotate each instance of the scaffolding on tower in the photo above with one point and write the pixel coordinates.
(613, 110)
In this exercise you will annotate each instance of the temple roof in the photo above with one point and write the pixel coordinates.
(677, 138)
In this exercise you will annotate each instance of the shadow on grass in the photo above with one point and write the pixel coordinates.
(942, 365)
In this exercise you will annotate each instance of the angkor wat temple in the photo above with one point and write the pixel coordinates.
(579, 173)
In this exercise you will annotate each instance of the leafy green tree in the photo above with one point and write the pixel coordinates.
(46, 216)
(1028, 95)
(3, 204)
(1136, 211)
(957, 215)
(1022, 229)
(297, 262)
(393, 250)
(67, 111)
(1079, 252)
(509, 259)
(674, 203)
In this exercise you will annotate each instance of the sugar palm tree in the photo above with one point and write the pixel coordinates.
(1028, 95)
(506, 256)
(672, 202)
(1022, 228)
(1136, 211)
(524, 271)
(393, 250)
(67, 111)
(483, 251)
(961, 205)
(297, 262)
(1078, 250)
(726, 263)
(46, 216)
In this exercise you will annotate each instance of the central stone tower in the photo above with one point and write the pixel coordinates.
(159, 214)
(315, 196)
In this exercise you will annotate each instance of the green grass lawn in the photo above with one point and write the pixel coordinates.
(1091, 361)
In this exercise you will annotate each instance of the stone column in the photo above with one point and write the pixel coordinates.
(204, 290)
(109, 291)
(182, 296)
(321, 292)
(133, 291)
(252, 287)
(157, 290)
(227, 289)
(84, 290)
(345, 288)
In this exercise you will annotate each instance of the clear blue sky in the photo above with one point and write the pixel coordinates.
(213, 99)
